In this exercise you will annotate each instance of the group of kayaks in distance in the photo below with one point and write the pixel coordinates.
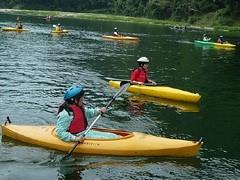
(205, 41)
(59, 29)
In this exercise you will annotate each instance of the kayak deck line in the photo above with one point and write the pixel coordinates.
(129, 144)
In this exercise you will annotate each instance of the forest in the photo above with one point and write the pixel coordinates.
(218, 12)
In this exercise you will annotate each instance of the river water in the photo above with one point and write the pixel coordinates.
(36, 68)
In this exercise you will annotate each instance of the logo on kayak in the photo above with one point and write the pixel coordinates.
(91, 144)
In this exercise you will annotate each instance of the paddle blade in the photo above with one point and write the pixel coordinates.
(124, 82)
(54, 25)
(122, 89)
(68, 155)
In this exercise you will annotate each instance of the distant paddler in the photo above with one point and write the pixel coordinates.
(47, 18)
(115, 32)
(18, 27)
(19, 24)
(116, 36)
(59, 29)
(140, 75)
(206, 38)
(221, 40)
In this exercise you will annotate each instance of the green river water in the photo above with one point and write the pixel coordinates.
(36, 68)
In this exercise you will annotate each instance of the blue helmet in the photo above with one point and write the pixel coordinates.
(74, 92)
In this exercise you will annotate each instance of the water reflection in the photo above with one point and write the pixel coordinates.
(126, 167)
(137, 103)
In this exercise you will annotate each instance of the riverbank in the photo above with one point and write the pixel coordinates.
(117, 18)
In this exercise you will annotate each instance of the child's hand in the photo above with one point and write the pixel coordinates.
(79, 139)
(103, 110)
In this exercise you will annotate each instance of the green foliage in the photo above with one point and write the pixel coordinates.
(184, 10)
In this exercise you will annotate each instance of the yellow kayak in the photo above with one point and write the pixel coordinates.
(61, 32)
(128, 144)
(179, 105)
(121, 37)
(13, 29)
(225, 45)
(164, 92)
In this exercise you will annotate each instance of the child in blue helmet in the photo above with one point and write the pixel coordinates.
(73, 116)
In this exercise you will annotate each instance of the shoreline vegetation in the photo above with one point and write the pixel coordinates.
(117, 18)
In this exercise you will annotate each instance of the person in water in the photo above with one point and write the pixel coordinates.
(206, 38)
(115, 32)
(19, 24)
(140, 75)
(73, 115)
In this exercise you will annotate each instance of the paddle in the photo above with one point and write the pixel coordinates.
(145, 84)
(120, 91)
(124, 81)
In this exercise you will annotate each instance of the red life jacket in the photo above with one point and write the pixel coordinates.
(79, 122)
(140, 75)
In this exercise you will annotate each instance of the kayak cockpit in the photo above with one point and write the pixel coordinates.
(119, 133)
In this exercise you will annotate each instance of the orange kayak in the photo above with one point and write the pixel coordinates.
(128, 143)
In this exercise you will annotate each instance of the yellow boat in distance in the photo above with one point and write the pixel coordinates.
(128, 143)
(225, 45)
(130, 38)
(161, 91)
(179, 105)
(64, 31)
(12, 29)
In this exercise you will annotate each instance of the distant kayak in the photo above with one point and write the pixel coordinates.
(127, 144)
(161, 91)
(13, 29)
(61, 32)
(121, 37)
(213, 44)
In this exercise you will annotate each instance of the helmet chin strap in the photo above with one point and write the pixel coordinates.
(141, 64)
(76, 102)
